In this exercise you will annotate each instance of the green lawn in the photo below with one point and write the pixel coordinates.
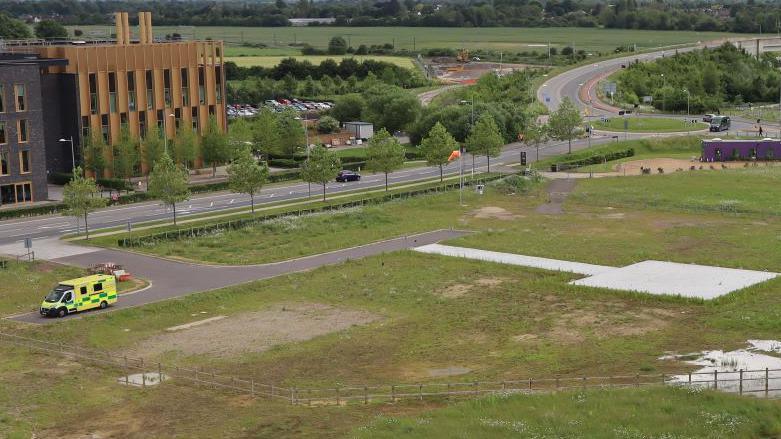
(647, 125)
(646, 413)
(416, 38)
(271, 61)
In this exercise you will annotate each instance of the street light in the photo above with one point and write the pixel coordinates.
(664, 94)
(73, 155)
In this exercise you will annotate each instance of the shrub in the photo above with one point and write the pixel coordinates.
(327, 124)
(593, 160)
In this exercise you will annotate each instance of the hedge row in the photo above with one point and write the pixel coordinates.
(63, 178)
(593, 160)
(191, 232)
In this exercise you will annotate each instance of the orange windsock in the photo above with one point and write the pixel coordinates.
(454, 155)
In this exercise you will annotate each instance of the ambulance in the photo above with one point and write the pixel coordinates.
(96, 291)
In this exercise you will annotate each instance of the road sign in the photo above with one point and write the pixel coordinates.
(609, 88)
(28, 243)
(523, 158)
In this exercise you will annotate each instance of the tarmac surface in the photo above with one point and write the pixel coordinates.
(171, 279)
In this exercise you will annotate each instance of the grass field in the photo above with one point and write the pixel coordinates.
(416, 38)
(647, 125)
(271, 61)
(501, 322)
(654, 413)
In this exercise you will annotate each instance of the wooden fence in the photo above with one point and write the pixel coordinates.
(763, 382)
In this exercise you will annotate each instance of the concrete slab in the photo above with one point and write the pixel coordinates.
(513, 259)
(670, 278)
(48, 249)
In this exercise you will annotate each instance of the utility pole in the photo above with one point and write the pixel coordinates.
(664, 93)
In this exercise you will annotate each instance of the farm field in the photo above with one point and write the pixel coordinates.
(416, 38)
(648, 125)
(271, 61)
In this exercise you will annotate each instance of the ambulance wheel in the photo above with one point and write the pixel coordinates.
(103, 305)
(62, 312)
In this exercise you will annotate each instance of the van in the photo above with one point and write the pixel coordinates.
(81, 294)
(719, 123)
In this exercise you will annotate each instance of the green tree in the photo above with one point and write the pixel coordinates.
(152, 149)
(327, 124)
(291, 131)
(81, 196)
(215, 148)
(266, 133)
(185, 146)
(13, 29)
(535, 135)
(246, 176)
(94, 150)
(384, 154)
(240, 135)
(168, 182)
(391, 107)
(321, 167)
(125, 155)
(563, 121)
(337, 46)
(485, 139)
(348, 108)
(50, 30)
(437, 147)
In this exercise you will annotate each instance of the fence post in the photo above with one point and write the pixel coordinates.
(127, 373)
(160, 373)
(476, 384)
(252, 387)
(143, 375)
(584, 383)
(293, 395)
(448, 392)
(420, 391)
(214, 380)
(662, 377)
(365, 395)
(690, 378)
(337, 396)
(766, 380)
(715, 379)
(393, 393)
(637, 380)
(557, 382)
(740, 382)
(272, 390)
(530, 384)
(504, 387)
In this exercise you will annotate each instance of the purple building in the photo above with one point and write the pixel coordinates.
(717, 150)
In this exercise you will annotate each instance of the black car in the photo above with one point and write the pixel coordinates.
(348, 176)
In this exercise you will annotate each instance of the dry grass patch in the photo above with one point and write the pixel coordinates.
(256, 331)
(495, 212)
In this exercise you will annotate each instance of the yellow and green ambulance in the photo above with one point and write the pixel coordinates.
(96, 291)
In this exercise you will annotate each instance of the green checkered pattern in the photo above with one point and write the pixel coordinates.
(95, 299)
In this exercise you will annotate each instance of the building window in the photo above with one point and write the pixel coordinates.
(167, 87)
(16, 193)
(2, 99)
(2, 133)
(24, 162)
(104, 128)
(218, 86)
(142, 123)
(4, 163)
(131, 91)
(160, 122)
(185, 88)
(123, 120)
(211, 110)
(194, 115)
(112, 92)
(23, 127)
(85, 127)
(177, 117)
(20, 91)
(150, 90)
(201, 86)
(93, 93)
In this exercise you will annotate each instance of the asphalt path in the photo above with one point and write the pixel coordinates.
(171, 279)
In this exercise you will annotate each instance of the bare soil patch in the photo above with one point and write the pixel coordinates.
(257, 331)
(578, 325)
(668, 165)
(457, 290)
(493, 212)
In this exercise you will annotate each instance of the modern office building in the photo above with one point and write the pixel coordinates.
(107, 85)
(23, 148)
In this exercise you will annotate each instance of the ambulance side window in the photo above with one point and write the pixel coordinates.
(83, 290)
(68, 297)
(98, 287)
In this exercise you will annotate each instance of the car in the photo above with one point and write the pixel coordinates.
(719, 123)
(346, 175)
(708, 117)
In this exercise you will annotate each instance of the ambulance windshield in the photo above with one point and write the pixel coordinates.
(57, 293)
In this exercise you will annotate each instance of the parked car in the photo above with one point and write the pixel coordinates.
(708, 117)
(719, 123)
(346, 175)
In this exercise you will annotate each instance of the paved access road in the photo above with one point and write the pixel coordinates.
(170, 279)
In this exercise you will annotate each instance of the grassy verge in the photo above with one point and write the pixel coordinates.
(647, 125)
(677, 147)
(653, 412)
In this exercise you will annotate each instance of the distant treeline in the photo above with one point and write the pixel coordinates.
(748, 17)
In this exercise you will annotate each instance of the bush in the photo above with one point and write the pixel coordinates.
(60, 178)
(516, 184)
(327, 124)
(593, 160)
(117, 184)
(283, 163)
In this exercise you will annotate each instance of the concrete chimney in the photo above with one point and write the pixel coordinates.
(149, 37)
(119, 28)
(142, 28)
(126, 27)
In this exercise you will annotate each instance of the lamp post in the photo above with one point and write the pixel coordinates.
(688, 117)
(664, 94)
(73, 155)
(306, 137)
